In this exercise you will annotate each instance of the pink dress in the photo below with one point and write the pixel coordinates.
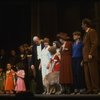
(20, 84)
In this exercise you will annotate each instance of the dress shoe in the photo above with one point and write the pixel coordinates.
(88, 92)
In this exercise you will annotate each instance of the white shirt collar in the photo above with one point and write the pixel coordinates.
(87, 29)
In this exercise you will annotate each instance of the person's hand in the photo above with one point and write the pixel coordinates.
(82, 63)
(48, 65)
(32, 67)
(40, 67)
(90, 56)
(65, 48)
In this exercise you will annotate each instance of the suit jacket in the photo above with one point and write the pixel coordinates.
(90, 42)
(34, 53)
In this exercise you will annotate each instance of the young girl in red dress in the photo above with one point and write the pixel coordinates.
(55, 61)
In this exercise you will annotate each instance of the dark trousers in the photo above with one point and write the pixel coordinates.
(38, 78)
(78, 78)
(66, 88)
(91, 75)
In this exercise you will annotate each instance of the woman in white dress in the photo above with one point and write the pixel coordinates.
(45, 58)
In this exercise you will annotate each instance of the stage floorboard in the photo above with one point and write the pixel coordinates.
(41, 96)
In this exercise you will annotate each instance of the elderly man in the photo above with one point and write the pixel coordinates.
(36, 56)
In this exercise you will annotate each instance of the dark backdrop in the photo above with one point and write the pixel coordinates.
(20, 20)
(52, 16)
(14, 23)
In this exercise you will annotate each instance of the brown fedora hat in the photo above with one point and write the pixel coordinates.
(63, 36)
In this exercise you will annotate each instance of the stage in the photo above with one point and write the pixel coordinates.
(41, 96)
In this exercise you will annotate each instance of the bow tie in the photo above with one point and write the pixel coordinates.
(38, 44)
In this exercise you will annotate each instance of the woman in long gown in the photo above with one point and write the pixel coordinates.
(66, 79)
(45, 58)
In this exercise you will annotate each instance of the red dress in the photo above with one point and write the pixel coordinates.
(56, 63)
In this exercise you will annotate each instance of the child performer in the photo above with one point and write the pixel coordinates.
(55, 61)
(76, 63)
(10, 79)
(20, 84)
(2, 80)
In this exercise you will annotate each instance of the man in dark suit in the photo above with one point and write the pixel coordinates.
(90, 42)
(36, 56)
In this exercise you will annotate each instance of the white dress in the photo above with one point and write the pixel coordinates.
(45, 58)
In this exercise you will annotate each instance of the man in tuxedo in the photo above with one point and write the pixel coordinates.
(36, 56)
(90, 42)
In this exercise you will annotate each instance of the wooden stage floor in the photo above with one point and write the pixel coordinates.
(30, 96)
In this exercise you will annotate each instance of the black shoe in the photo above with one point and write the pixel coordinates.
(82, 91)
(88, 92)
(95, 92)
